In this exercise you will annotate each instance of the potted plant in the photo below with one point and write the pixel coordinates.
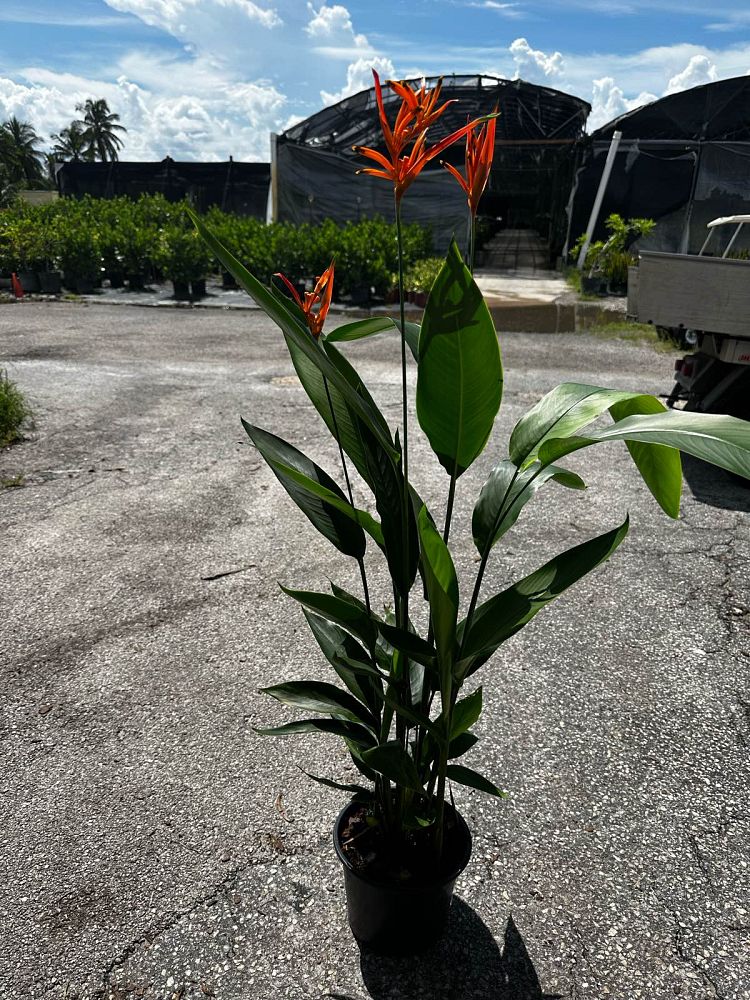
(80, 258)
(405, 703)
(49, 276)
(184, 259)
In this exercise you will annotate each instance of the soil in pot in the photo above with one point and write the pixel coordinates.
(398, 898)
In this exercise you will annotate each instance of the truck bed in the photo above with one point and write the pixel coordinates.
(698, 293)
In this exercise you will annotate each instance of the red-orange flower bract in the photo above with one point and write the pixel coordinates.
(418, 111)
(320, 295)
(480, 148)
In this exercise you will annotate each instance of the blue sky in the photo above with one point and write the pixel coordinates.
(200, 79)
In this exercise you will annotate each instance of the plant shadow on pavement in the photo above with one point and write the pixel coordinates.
(466, 964)
(715, 487)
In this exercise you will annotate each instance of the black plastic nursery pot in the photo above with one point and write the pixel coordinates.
(198, 289)
(29, 281)
(116, 279)
(85, 286)
(50, 282)
(136, 282)
(402, 918)
(181, 291)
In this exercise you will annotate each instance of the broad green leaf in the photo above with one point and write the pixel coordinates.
(335, 727)
(659, 465)
(295, 334)
(322, 698)
(460, 374)
(361, 517)
(472, 779)
(506, 613)
(414, 717)
(461, 745)
(562, 412)
(413, 645)
(343, 531)
(396, 513)
(351, 661)
(711, 437)
(465, 713)
(357, 790)
(507, 490)
(334, 609)
(442, 589)
(376, 324)
(391, 760)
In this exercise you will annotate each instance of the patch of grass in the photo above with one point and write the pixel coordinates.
(14, 411)
(637, 333)
(12, 482)
(573, 277)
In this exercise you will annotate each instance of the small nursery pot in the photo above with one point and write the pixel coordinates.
(181, 291)
(393, 919)
(50, 282)
(136, 282)
(198, 289)
(85, 286)
(29, 281)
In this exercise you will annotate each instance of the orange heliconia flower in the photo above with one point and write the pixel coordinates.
(320, 295)
(418, 111)
(480, 148)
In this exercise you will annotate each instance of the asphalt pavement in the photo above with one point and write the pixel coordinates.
(154, 846)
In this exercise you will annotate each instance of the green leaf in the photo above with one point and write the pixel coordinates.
(396, 513)
(393, 762)
(350, 661)
(343, 531)
(507, 490)
(473, 779)
(322, 698)
(461, 745)
(465, 713)
(335, 609)
(336, 727)
(413, 645)
(506, 613)
(298, 338)
(711, 437)
(442, 589)
(562, 412)
(361, 517)
(460, 374)
(357, 790)
(376, 324)
(659, 465)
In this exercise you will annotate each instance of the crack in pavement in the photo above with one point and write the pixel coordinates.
(678, 946)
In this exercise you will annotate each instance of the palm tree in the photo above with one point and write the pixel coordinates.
(101, 128)
(18, 151)
(72, 143)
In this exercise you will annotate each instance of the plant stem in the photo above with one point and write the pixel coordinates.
(472, 240)
(449, 508)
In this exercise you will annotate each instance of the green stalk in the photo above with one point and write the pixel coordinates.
(472, 240)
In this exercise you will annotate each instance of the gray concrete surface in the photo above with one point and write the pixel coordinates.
(154, 846)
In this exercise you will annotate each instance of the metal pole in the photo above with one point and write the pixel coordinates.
(272, 213)
(609, 163)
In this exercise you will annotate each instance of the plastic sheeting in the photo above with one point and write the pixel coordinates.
(534, 157)
(683, 161)
(235, 187)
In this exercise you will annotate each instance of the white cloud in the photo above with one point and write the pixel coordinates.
(171, 15)
(359, 77)
(608, 102)
(534, 65)
(699, 70)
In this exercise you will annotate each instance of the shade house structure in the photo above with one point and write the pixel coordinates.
(683, 161)
(313, 165)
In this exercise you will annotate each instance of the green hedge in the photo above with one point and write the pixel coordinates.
(152, 237)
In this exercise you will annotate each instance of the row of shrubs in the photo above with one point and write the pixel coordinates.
(153, 239)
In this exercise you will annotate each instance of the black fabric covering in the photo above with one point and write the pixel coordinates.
(683, 160)
(235, 187)
(534, 159)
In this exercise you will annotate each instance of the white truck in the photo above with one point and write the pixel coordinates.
(704, 301)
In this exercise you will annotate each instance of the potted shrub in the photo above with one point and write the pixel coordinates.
(80, 259)
(184, 259)
(50, 278)
(402, 705)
